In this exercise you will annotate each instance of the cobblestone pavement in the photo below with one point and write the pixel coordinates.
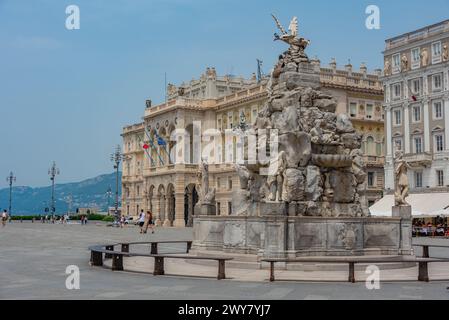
(34, 257)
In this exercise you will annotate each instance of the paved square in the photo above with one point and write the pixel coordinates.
(34, 257)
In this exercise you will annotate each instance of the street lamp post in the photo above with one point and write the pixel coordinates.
(116, 158)
(53, 172)
(109, 195)
(10, 179)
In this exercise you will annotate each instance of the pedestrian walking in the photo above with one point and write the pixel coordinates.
(4, 217)
(122, 221)
(141, 220)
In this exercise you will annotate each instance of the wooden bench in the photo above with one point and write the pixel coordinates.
(425, 248)
(423, 273)
(159, 267)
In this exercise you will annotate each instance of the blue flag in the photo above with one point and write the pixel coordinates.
(161, 141)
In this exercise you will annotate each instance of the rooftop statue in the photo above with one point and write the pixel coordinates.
(296, 44)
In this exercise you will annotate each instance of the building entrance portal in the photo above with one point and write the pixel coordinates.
(190, 200)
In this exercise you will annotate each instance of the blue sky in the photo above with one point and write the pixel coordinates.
(65, 95)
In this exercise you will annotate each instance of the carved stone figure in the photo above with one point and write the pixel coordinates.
(297, 45)
(445, 53)
(401, 180)
(206, 194)
(276, 181)
(404, 63)
(171, 89)
(244, 176)
(387, 67)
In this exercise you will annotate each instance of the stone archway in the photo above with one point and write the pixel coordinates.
(149, 196)
(170, 206)
(190, 200)
(160, 205)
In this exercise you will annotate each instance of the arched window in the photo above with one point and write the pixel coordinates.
(370, 146)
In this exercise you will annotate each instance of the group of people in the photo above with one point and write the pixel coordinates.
(146, 221)
(420, 228)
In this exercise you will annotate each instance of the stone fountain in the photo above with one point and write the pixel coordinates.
(312, 202)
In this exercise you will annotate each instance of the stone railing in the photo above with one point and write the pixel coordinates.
(242, 94)
(417, 35)
(344, 79)
(171, 168)
(374, 160)
(420, 159)
(180, 101)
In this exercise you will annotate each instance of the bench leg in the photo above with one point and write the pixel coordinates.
(271, 271)
(351, 277)
(221, 270)
(154, 248)
(423, 274)
(117, 262)
(189, 246)
(425, 251)
(158, 266)
(109, 255)
(96, 258)
(125, 247)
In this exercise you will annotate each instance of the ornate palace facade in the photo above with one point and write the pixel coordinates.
(416, 80)
(153, 179)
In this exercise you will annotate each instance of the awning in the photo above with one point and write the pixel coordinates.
(423, 204)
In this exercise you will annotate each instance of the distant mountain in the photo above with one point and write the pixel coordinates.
(88, 193)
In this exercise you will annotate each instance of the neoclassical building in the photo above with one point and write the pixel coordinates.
(416, 81)
(157, 175)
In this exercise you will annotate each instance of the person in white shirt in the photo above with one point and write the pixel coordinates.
(4, 217)
(141, 220)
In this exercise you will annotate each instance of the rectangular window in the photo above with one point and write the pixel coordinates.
(218, 183)
(418, 179)
(436, 82)
(397, 144)
(416, 113)
(396, 63)
(436, 52)
(230, 184)
(440, 178)
(418, 144)
(370, 179)
(437, 110)
(353, 109)
(416, 58)
(218, 208)
(397, 91)
(397, 117)
(439, 142)
(369, 111)
(416, 86)
(229, 208)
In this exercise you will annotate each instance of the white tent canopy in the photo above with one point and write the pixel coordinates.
(423, 204)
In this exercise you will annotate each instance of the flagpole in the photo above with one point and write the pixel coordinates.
(165, 86)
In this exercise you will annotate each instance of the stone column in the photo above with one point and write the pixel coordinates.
(179, 210)
(426, 126)
(166, 211)
(157, 212)
(406, 125)
(190, 202)
(446, 121)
